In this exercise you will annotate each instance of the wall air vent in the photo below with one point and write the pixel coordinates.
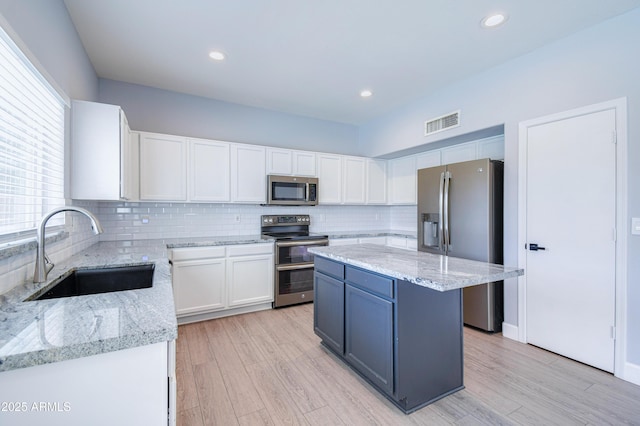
(444, 122)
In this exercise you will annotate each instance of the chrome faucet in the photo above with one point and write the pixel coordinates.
(43, 264)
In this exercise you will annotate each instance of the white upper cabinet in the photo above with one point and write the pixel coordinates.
(459, 153)
(248, 174)
(110, 162)
(353, 180)
(402, 180)
(279, 161)
(209, 170)
(492, 147)
(345, 180)
(329, 178)
(163, 167)
(132, 164)
(289, 162)
(304, 163)
(428, 159)
(101, 163)
(376, 187)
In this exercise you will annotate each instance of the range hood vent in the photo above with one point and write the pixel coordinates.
(444, 122)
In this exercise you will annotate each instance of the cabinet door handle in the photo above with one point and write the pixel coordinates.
(536, 247)
(294, 267)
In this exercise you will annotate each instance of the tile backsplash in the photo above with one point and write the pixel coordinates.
(19, 268)
(126, 220)
(139, 221)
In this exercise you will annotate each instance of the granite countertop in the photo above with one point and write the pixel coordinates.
(216, 241)
(367, 234)
(434, 271)
(46, 331)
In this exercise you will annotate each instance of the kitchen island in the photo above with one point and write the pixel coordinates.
(395, 316)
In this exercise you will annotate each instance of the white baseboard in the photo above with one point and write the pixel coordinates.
(510, 331)
(189, 318)
(632, 373)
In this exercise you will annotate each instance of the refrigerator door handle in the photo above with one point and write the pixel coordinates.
(447, 179)
(441, 244)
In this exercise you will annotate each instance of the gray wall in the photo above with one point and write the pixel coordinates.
(46, 29)
(596, 65)
(162, 111)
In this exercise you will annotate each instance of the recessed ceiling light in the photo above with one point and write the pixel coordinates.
(494, 20)
(366, 93)
(216, 55)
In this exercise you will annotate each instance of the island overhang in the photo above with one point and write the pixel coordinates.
(437, 272)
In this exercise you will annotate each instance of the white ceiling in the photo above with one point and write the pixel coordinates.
(314, 57)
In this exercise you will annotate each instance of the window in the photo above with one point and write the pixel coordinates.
(31, 143)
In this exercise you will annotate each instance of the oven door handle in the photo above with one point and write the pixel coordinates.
(294, 267)
(302, 243)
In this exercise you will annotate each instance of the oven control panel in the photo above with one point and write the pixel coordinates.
(269, 220)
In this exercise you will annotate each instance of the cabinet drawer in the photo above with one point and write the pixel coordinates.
(382, 286)
(195, 253)
(249, 249)
(329, 267)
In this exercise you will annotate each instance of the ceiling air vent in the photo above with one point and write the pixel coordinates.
(441, 123)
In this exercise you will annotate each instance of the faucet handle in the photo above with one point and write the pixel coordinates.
(48, 264)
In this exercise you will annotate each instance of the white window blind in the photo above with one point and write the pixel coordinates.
(31, 143)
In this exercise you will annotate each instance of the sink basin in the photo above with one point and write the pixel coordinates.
(79, 282)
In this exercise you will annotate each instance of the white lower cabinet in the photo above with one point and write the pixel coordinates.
(373, 240)
(365, 240)
(216, 281)
(403, 243)
(134, 386)
(247, 279)
(199, 280)
(342, 241)
(397, 242)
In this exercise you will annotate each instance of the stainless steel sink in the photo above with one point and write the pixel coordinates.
(79, 282)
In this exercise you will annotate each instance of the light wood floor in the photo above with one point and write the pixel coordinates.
(269, 368)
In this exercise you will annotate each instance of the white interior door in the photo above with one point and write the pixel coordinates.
(571, 213)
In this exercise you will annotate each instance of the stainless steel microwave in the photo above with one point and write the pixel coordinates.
(292, 190)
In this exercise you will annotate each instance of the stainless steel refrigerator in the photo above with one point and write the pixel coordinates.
(460, 215)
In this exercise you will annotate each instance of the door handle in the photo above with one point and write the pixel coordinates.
(441, 244)
(447, 239)
(535, 247)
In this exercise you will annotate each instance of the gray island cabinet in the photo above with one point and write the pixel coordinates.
(395, 317)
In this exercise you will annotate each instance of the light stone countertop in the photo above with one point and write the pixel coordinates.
(216, 241)
(367, 234)
(47, 331)
(437, 272)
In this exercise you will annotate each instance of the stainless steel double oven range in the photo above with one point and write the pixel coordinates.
(293, 262)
